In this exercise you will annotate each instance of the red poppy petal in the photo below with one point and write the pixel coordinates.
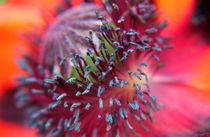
(186, 110)
(189, 64)
(15, 130)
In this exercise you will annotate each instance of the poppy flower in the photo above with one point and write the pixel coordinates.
(111, 81)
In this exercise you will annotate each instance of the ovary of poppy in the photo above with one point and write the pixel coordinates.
(13, 19)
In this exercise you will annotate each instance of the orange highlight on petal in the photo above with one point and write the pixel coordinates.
(202, 78)
(175, 11)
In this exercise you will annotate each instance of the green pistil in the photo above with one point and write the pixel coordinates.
(90, 62)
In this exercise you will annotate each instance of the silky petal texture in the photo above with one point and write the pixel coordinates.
(185, 110)
(188, 61)
(182, 115)
(191, 67)
(182, 85)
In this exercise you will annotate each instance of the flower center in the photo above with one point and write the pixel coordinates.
(136, 77)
